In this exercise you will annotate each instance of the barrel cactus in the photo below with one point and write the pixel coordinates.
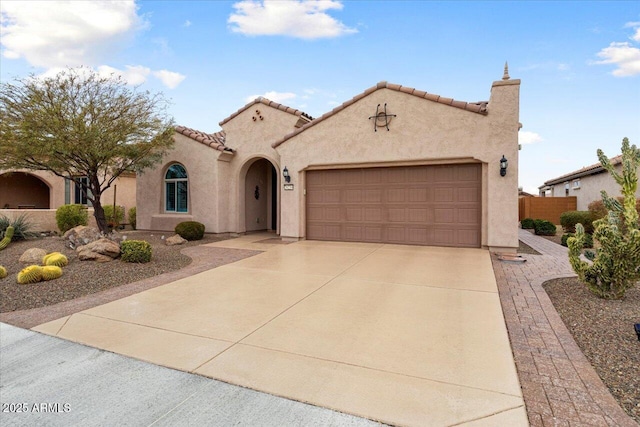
(8, 235)
(55, 258)
(3, 272)
(51, 272)
(30, 274)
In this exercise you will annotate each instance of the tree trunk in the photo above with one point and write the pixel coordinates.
(98, 211)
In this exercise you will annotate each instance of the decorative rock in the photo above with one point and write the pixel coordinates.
(82, 235)
(33, 256)
(176, 239)
(102, 250)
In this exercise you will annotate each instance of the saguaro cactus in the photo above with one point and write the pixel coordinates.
(616, 266)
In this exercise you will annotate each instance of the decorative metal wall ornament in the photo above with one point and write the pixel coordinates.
(256, 194)
(381, 118)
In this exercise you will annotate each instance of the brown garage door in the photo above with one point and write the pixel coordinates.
(419, 205)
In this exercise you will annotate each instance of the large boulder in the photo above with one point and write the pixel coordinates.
(176, 239)
(101, 250)
(33, 256)
(82, 235)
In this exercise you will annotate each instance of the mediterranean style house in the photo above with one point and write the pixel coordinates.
(393, 164)
(585, 184)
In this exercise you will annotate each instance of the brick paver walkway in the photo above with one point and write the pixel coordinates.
(559, 385)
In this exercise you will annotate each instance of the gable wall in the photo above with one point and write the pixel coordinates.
(424, 132)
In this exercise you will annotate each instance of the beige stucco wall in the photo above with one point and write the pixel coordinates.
(218, 193)
(200, 161)
(125, 195)
(590, 187)
(424, 132)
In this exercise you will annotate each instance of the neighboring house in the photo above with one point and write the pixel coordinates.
(394, 164)
(37, 191)
(585, 184)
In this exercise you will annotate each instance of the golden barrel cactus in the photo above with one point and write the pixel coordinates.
(3, 272)
(30, 274)
(51, 272)
(55, 258)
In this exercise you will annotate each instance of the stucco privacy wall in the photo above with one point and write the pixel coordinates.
(423, 132)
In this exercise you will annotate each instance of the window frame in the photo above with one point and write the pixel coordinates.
(177, 190)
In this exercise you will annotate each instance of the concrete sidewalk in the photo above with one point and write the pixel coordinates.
(60, 383)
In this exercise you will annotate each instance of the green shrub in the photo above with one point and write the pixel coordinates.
(527, 224)
(69, 216)
(132, 217)
(544, 228)
(114, 218)
(569, 219)
(21, 227)
(616, 265)
(588, 240)
(135, 251)
(190, 230)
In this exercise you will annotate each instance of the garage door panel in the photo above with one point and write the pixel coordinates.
(423, 205)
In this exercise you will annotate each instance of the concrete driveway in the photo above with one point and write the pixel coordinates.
(400, 334)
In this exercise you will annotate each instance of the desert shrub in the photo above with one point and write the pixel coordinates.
(543, 227)
(135, 251)
(616, 265)
(22, 227)
(569, 219)
(588, 240)
(114, 217)
(190, 230)
(527, 224)
(132, 217)
(70, 216)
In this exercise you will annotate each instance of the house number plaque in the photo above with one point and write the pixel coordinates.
(288, 187)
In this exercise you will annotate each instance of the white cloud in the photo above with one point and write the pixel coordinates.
(624, 55)
(526, 137)
(306, 19)
(279, 97)
(187, 23)
(635, 26)
(65, 33)
(170, 79)
(133, 75)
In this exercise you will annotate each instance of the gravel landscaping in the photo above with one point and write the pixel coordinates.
(85, 277)
(603, 329)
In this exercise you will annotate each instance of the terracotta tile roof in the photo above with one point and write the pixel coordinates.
(262, 100)
(587, 170)
(475, 107)
(213, 140)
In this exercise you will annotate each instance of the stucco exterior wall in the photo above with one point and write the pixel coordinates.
(590, 187)
(125, 193)
(199, 161)
(424, 132)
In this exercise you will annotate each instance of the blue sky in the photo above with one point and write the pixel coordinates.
(579, 62)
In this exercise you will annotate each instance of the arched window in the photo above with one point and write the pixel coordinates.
(175, 189)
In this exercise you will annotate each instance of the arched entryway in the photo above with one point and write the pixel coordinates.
(21, 190)
(260, 196)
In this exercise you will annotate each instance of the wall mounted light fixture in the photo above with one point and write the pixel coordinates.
(503, 166)
(285, 173)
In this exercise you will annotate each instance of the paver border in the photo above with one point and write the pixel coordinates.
(559, 385)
